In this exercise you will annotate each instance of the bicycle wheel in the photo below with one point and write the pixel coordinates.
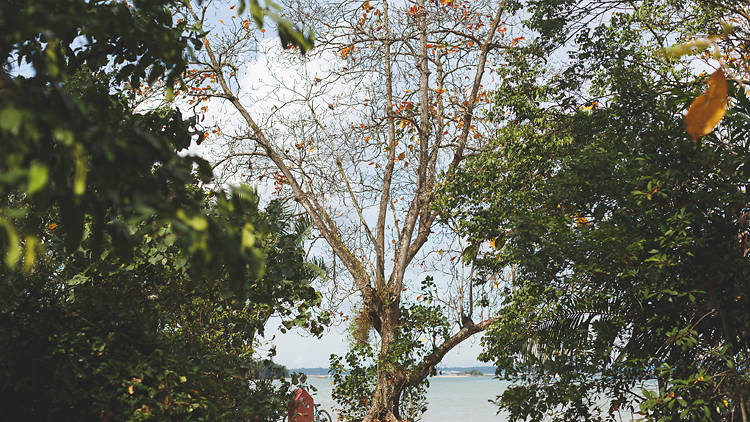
(323, 416)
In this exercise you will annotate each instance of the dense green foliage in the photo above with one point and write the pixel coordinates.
(423, 326)
(628, 240)
(128, 292)
(93, 336)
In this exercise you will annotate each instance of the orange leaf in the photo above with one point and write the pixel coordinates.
(707, 110)
(52, 226)
(401, 156)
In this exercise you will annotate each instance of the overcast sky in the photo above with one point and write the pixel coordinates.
(297, 350)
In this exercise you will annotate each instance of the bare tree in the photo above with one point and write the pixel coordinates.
(387, 105)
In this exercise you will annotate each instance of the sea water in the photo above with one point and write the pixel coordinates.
(453, 399)
(450, 399)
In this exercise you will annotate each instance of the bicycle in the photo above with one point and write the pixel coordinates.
(319, 415)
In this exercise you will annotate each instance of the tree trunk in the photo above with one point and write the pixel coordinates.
(385, 399)
(391, 380)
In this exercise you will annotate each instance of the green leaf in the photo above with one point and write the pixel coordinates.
(257, 12)
(38, 176)
(197, 223)
(63, 136)
(13, 254)
(79, 175)
(248, 237)
(10, 120)
(77, 279)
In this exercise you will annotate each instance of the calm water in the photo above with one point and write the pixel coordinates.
(457, 399)
(461, 399)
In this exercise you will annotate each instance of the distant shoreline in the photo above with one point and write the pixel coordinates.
(441, 372)
(434, 376)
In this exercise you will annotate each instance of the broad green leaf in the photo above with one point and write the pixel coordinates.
(79, 176)
(197, 223)
(77, 279)
(29, 257)
(257, 13)
(38, 176)
(63, 136)
(13, 253)
(690, 47)
(10, 120)
(248, 237)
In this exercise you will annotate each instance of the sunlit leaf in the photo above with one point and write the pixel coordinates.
(709, 108)
(689, 47)
(13, 252)
(248, 237)
(29, 257)
(38, 176)
(10, 120)
(197, 223)
(79, 176)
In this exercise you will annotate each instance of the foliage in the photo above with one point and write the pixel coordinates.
(128, 292)
(78, 148)
(628, 238)
(92, 336)
(359, 132)
(289, 35)
(423, 326)
(353, 380)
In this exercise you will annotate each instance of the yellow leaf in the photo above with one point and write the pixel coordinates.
(29, 257)
(709, 108)
(492, 243)
(131, 390)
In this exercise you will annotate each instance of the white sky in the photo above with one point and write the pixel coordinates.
(298, 350)
(295, 348)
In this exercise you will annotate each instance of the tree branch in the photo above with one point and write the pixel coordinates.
(424, 368)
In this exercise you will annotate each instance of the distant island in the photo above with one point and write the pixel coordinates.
(441, 371)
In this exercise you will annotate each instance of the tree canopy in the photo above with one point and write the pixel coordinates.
(571, 177)
(626, 237)
(129, 290)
